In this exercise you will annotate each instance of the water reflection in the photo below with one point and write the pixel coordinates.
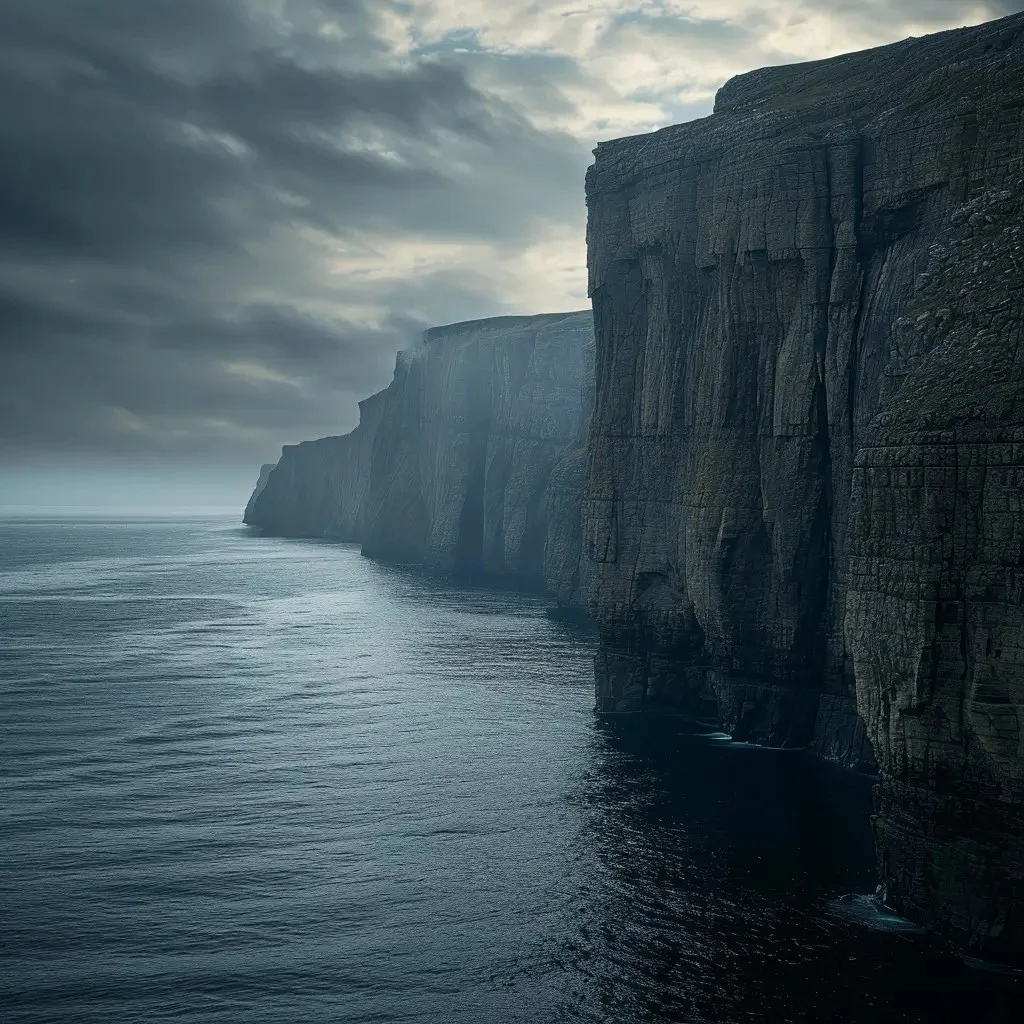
(259, 780)
(718, 866)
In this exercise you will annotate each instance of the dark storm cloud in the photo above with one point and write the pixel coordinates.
(220, 218)
(172, 176)
(169, 383)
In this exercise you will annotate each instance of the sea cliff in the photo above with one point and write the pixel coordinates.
(805, 458)
(471, 460)
(318, 488)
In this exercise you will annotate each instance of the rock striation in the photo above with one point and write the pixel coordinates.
(935, 611)
(805, 458)
(471, 460)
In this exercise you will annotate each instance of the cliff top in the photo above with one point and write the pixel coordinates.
(369, 403)
(500, 323)
(867, 74)
(951, 66)
(316, 442)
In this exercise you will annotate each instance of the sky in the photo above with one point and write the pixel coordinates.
(220, 219)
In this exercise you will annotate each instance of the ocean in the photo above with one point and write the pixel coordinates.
(248, 779)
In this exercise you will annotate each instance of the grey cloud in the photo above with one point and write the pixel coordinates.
(933, 15)
(170, 171)
(183, 375)
(944, 11)
(159, 164)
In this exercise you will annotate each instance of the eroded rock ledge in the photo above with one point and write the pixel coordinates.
(471, 460)
(805, 460)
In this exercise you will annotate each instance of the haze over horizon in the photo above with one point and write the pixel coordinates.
(224, 217)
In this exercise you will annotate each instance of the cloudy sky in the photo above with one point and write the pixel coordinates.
(219, 219)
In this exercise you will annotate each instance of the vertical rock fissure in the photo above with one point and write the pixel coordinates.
(858, 315)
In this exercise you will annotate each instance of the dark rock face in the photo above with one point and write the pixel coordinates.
(265, 470)
(471, 460)
(935, 612)
(778, 541)
(475, 428)
(318, 488)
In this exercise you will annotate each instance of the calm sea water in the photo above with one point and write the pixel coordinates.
(253, 780)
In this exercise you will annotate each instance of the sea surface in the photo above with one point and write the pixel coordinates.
(253, 780)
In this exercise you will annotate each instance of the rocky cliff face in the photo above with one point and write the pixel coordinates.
(319, 488)
(935, 612)
(476, 426)
(805, 456)
(265, 470)
(471, 460)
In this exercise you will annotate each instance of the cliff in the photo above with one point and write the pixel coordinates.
(265, 470)
(468, 468)
(318, 488)
(471, 460)
(802, 493)
(935, 613)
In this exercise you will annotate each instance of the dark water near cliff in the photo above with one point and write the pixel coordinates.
(259, 780)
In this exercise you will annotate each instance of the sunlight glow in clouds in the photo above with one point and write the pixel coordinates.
(679, 51)
(227, 216)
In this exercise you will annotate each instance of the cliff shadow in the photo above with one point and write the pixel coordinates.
(710, 892)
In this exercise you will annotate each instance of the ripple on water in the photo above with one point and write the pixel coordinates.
(262, 780)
